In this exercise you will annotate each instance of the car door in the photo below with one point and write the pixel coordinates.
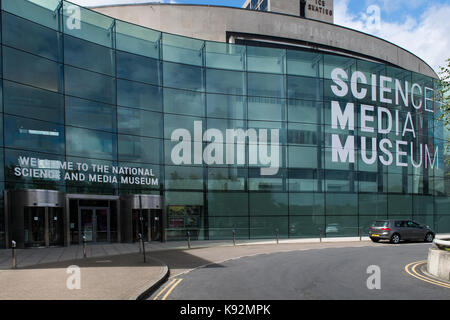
(402, 228)
(417, 232)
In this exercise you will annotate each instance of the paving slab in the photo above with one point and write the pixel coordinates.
(119, 277)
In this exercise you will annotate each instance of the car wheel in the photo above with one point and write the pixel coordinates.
(374, 239)
(395, 238)
(429, 237)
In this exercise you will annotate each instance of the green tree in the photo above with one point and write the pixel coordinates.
(444, 95)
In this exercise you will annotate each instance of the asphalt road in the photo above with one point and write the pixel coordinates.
(328, 273)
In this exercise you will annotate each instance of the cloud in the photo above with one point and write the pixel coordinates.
(425, 36)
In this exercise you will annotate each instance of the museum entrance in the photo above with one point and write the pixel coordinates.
(94, 224)
(94, 217)
(142, 214)
(151, 227)
(43, 226)
(38, 217)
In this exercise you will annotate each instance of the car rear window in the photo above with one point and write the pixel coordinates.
(380, 224)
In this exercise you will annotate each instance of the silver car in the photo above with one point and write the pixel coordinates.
(396, 230)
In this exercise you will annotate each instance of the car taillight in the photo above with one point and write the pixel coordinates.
(385, 229)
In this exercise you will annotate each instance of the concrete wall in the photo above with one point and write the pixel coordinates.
(212, 23)
(439, 263)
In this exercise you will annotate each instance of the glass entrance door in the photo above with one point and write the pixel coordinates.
(55, 226)
(34, 226)
(43, 226)
(95, 224)
(156, 225)
(102, 225)
(87, 224)
(136, 224)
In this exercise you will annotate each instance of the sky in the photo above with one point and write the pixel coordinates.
(420, 26)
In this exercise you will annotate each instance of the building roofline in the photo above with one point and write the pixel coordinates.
(244, 9)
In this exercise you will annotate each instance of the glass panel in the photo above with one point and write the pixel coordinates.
(266, 59)
(87, 224)
(31, 37)
(32, 102)
(32, 170)
(266, 227)
(35, 135)
(399, 205)
(266, 85)
(222, 227)
(137, 68)
(333, 61)
(101, 116)
(102, 232)
(136, 149)
(341, 204)
(271, 109)
(173, 122)
(183, 76)
(271, 204)
(139, 95)
(232, 178)
(88, 25)
(372, 204)
(305, 88)
(225, 56)
(309, 204)
(182, 49)
(181, 177)
(306, 226)
(226, 106)
(221, 81)
(228, 204)
(304, 63)
(29, 69)
(87, 55)
(137, 39)
(90, 85)
(39, 11)
(305, 111)
(340, 226)
(34, 226)
(91, 144)
(140, 122)
(184, 102)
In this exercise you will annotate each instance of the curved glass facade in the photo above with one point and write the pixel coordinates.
(244, 138)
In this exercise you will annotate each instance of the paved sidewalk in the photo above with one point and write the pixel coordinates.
(120, 277)
(35, 256)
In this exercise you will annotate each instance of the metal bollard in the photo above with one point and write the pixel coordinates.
(188, 239)
(141, 244)
(360, 234)
(234, 237)
(278, 236)
(14, 254)
(84, 246)
(320, 230)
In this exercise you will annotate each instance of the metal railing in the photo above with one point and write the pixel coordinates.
(235, 234)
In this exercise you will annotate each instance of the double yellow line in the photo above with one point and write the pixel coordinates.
(411, 270)
(168, 289)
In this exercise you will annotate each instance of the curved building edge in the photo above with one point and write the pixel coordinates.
(217, 23)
